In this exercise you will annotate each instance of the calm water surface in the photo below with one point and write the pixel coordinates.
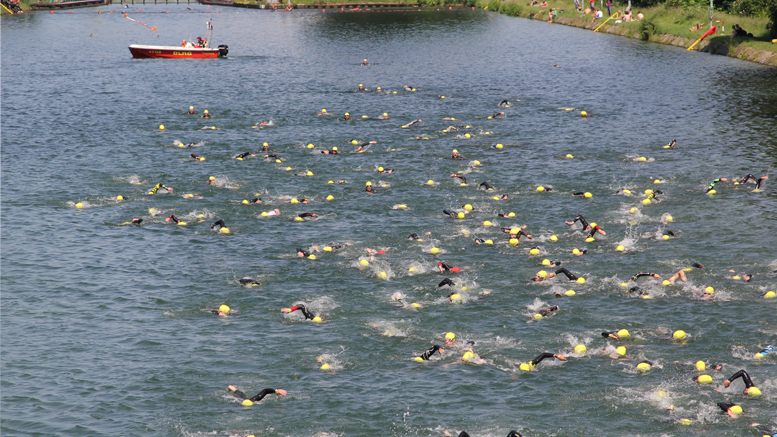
(106, 329)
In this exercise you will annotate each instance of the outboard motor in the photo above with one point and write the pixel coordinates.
(223, 50)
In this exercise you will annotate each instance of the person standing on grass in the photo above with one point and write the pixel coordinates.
(609, 8)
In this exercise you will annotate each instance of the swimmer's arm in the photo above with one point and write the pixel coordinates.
(265, 392)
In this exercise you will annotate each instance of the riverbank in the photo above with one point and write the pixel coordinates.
(661, 25)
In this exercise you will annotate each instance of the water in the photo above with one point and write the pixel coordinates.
(106, 329)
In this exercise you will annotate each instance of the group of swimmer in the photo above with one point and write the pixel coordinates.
(515, 234)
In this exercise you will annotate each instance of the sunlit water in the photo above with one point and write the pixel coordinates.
(106, 329)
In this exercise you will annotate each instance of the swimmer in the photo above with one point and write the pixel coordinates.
(446, 281)
(369, 189)
(745, 378)
(670, 145)
(240, 156)
(307, 214)
(637, 291)
(385, 170)
(450, 129)
(670, 233)
(449, 213)
(504, 104)
(364, 62)
(654, 195)
(503, 197)
(158, 187)
(271, 156)
(258, 397)
(347, 116)
(273, 212)
(533, 363)
(413, 236)
(248, 282)
(428, 354)
(611, 334)
(730, 408)
(422, 138)
(408, 88)
(641, 274)
(712, 184)
(463, 179)
(757, 181)
(303, 253)
(490, 117)
(330, 152)
(595, 229)
(265, 148)
(517, 235)
(361, 88)
(197, 158)
(220, 223)
(486, 186)
(192, 111)
(135, 221)
(546, 311)
(223, 310)
(173, 218)
(405, 126)
(323, 112)
(205, 114)
(582, 221)
(544, 188)
(255, 200)
(455, 155)
(444, 267)
(373, 252)
(385, 115)
(567, 273)
(479, 241)
(767, 350)
(745, 276)
(301, 308)
(510, 434)
(361, 146)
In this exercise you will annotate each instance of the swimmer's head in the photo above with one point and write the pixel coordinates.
(224, 309)
(679, 334)
(753, 391)
(369, 184)
(736, 409)
(623, 333)
(450, 338)
(621, 350)
(643, 367)
(704, 379)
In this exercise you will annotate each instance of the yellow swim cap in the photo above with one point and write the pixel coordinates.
(590, 240)
(511, 214)
(626, 191)
(460, 215)
(294, 200)
(525, 367)
(575, 251)
(330, 197)
(489, 241)
(247, 403)
(704, 379)
(468, 355)
(514, 242)
(310, 146)
(434, 251)
(245, 202)
(546, 262)
(299, 219)
(570, 293)
(224, 309)
(633, 209)
(542, 273)
(683, 421)
(583, 113)
(317, 319)
(324, 366)
(430, 182)
(646, 201)
(310, 173)
(620, 248)
(665, 237)
(264, 214)
(161, 127)
(455, 151)
(621, 350)
(534, 252)
(569, 156)
(380, 168)
(643, 367)
(224, 230)
(665, 282)
(709, 290)
(468, 207)
(331, 182)
(382, 275)
(79, 205)
(657, 181)
(581, 280)
(419, 359)
(711, 192)
(499, 146)
(623, 333)
(553, 238)
(580, 349)
(327, 248)
(486, 223)
(754, 391)
(588, 195)
(369, 184)
(701, 366)
(312, 257)
(476, 163)
(119, 197)
(467, 136)
(642, 159)
(736, 409)
(770, 295)
(736, 277)
(679, 334)
(623, 284)
(450, 336)
(455, 296)
(540, 189)
(364, 262)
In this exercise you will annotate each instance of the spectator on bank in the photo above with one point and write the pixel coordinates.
(609, 8)
(640, 17)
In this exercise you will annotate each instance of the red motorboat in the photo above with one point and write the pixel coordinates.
(141, 51)
(190, 50)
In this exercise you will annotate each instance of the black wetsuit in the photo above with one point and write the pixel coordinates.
(504, 104)
(757, 181)
(304, 310)
(486, 186)
(411, 123)
(303, 252)
(610, 334)
(725, 406)
(428, 354)
(242, 155)
(593, 231)
(255, 200)
(248, 281)
(450, 213)
(639, 275)
(578, 193)
(413, 236)
(174, 218)
(745, 378)
(446, 281)
(463, 179)
(480, 240)
(567, 273)
(541, 357)
(256, 398)
(220, 223)
(582, 221)
(547, 311)
(305, 214)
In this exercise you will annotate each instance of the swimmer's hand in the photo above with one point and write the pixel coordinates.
(726, 383)
(231, 388)
(285, 310)
(560, 357)
(280, 392)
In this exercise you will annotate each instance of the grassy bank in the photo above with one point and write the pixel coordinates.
(660, 24)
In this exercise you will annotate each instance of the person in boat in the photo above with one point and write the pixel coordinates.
(183, 44)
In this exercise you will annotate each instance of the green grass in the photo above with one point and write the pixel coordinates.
(667, 20)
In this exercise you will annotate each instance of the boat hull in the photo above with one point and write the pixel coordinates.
(141, 51)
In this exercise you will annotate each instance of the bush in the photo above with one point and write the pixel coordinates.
(511, 8)
(646, 30)
(772, 26)
(494, 5)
